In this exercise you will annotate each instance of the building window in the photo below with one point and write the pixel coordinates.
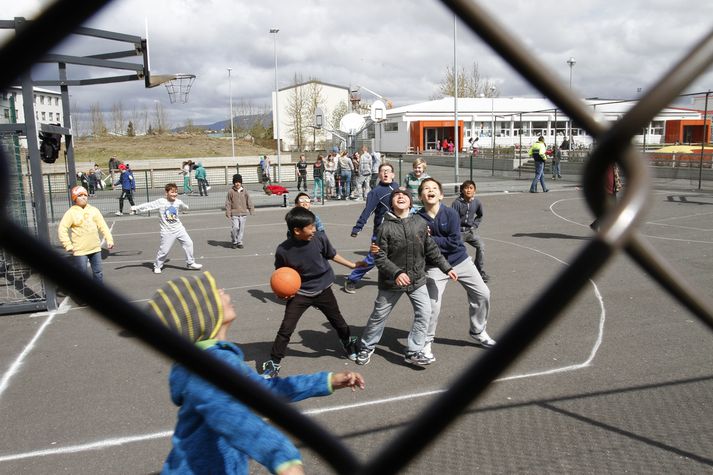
(42, 100)
(56, 101)
(391, 127)
(44, 116)
(6, 113)
(51, 116)
(657, 127)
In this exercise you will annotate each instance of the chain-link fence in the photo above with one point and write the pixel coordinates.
(618, 232)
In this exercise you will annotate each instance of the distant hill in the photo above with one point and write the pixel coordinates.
(240, 122)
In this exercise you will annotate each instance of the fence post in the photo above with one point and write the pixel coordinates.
(49, 192)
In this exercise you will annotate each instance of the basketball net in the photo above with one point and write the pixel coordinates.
(179, 87)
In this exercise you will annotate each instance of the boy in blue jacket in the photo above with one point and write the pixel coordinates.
(444, 227)
(216, 433)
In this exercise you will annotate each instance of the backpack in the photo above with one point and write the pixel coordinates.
(365, 165)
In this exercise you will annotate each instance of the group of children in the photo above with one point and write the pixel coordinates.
(416, 253)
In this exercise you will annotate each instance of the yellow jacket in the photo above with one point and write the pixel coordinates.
(85, 225)
(540, 148)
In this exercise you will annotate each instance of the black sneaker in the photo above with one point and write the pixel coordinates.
(270, 369)
(364, 356)
(417, 358)
(351, 347)
(239, 245)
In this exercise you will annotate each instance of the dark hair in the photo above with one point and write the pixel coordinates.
(299, 217)
(386, 165)
(300, 195)
(420, 187)
(467, 183)
(170, 186)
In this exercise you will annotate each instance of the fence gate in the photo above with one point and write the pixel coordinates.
(21, 288)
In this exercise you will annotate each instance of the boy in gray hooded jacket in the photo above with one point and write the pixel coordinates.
(404, 247)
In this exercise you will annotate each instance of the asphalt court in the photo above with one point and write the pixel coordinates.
(622, 381)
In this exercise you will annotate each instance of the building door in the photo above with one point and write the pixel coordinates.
(431, 138)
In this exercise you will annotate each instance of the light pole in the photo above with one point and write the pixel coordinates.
(571, 61)
(274, 31)
(455, 101)
(230, 92)
(492, 90)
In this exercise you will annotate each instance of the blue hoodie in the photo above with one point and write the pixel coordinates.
(378, 201)
(217, 434)
(445, 231)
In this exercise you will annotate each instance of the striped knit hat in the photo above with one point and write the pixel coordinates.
(190, 306)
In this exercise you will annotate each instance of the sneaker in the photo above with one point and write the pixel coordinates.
(428, 353)
(349, 287)
(270, 369)
(351, 347)
(483, 340)
(235, 245)
(364, 356)
(119, 213)
(194, 266)
(239, 245)
(156, 270)
(417, 358)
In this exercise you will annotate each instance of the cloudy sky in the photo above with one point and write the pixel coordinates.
(397, 48)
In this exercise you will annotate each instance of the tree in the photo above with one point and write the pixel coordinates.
(297, 110)
(117, 118)
(96, 117)
(130, 132)
(160, 117)
(314, 100)
(470, 84)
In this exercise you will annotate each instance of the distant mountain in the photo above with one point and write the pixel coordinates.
(240, 122)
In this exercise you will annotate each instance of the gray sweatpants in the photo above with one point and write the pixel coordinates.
(167, 240)
(478, 296)
(238, 228)
(384, 304)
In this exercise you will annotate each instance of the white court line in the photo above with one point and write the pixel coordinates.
(15, 366)
(100, 444)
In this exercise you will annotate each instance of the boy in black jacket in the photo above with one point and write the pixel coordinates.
(309, 252)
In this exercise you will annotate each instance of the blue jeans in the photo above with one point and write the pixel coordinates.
(95, 260)
(357, 274)
(539, 176)
(345, 184)
(556, 170)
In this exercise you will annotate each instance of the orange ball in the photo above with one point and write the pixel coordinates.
(285, 282)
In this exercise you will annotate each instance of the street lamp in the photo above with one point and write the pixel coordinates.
(230, 92)
(571, 61)
(492, 90)
(274, 31)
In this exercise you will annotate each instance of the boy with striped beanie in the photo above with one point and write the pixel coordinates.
(216, 433)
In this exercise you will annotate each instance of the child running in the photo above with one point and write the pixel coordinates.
(171, 227)
(470, 211)
(309, 252)
(404, 250)
(237, 206)
(216, 433)
(444, 227)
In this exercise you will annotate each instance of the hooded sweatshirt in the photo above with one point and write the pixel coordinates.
(79, 230)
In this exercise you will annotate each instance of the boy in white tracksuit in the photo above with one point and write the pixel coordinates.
(171, 227)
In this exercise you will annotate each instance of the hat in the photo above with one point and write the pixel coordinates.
(190, 306)
(403, 191)
(78, 191)
(237, 178)
(122, 166)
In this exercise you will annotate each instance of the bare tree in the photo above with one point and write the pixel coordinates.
(315, 99)
(160, 118)
(96, 118)
(297, 110)
(117, 118)
(470, 84)
(336, 116)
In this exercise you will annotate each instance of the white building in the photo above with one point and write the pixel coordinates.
(508, 121)
(47, 106)
(295, 113)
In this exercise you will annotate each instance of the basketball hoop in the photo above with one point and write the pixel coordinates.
(179, 86)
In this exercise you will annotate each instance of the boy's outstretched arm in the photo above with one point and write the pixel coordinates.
(347, 379)
(347, 263)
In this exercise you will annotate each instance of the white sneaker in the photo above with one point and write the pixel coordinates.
(207, 188)
(194, 266)
(483, 340)
(119, 213)
(156, 270)
(428, 353)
